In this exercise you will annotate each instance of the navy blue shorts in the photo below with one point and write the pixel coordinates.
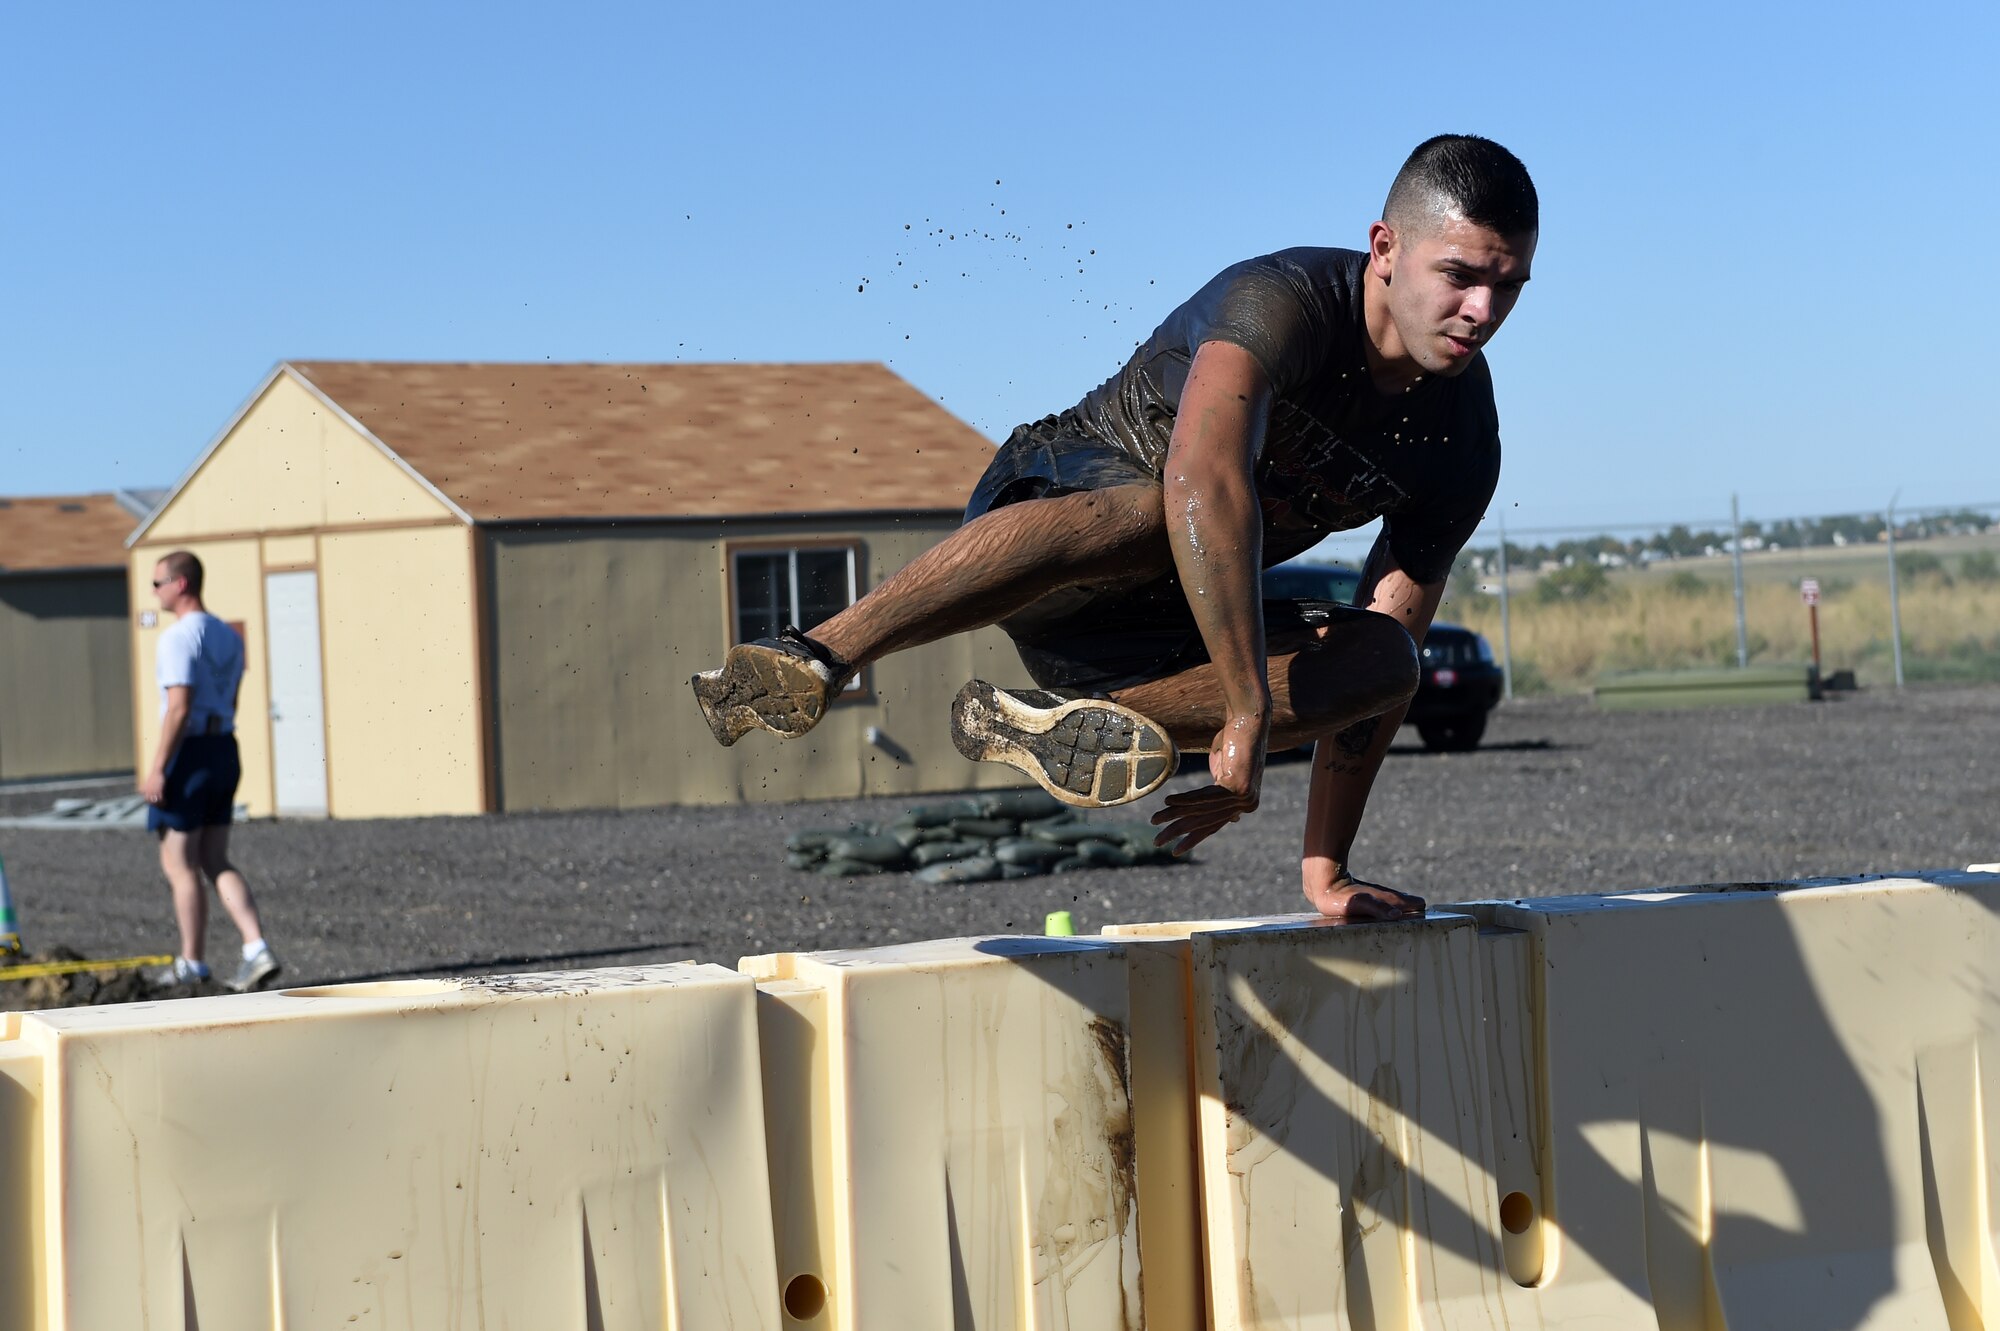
(1098, 640)
(201, 785)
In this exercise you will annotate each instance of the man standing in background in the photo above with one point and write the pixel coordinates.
(192, 783)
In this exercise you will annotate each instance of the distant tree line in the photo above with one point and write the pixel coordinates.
(1681, 542)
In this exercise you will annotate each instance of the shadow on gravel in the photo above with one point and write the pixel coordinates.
(1304, 752)
(476, 965)
(1505, 746)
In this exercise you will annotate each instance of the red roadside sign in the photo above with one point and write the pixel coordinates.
(1809, 591)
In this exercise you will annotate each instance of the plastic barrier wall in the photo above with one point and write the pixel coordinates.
(546, 1151)
(1717, 1108)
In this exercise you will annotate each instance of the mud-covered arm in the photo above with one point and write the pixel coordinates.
(1344, 766)
(1216, 532)
(1213, 522)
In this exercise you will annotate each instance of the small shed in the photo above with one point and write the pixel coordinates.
(65, 665)
(479, 587)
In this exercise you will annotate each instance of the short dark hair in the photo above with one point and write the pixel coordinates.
(1466, 176)
(181, 564)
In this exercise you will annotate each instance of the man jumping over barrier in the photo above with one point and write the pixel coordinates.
(1120, 543)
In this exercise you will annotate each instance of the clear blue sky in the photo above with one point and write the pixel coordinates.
(1765, 262)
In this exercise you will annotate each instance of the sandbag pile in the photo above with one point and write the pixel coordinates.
(1007, 834)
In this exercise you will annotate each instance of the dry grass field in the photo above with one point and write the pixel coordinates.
(1683, 614)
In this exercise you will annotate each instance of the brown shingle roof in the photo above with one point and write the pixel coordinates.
(598, 441)
(63, 531)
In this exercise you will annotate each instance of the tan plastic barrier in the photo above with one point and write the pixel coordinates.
(955, 1136)
(1699, 1110)
(1345, 1153)
(1680, 1111)
(563, 1152)
(1769, 1109)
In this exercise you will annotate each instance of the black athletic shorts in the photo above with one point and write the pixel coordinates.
(201, 785)
(1099, 640)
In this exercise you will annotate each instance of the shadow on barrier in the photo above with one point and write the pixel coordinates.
(1713, 1149)
(1790, 1060)
(23, 1297)
(1734, 1102)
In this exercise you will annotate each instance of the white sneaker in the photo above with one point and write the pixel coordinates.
(1088, 752)
(181, 972)
(256, 971)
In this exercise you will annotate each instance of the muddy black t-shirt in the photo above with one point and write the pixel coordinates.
(1337, 453)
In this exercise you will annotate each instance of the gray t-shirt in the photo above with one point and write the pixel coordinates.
(204, 655)
(1337, 453)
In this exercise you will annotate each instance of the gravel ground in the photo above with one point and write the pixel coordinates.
(1560, 799)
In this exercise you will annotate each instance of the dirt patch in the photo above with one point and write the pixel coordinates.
(89, 988)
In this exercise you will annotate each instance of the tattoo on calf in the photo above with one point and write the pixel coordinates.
(1354, 740)
(1350, 746)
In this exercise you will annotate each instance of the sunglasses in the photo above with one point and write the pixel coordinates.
(161, 582)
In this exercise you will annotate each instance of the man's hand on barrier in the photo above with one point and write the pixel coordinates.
(1345, 897)
(1236, 761)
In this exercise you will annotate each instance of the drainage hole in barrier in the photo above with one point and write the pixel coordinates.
(1517, 1212)
(804, 1297)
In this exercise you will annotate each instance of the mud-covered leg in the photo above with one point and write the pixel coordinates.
(1361, 665)
(1322, 681)
(1002, 562)
(1098, 752)
(987, 570)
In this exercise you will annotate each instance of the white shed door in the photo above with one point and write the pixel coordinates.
(298, 705)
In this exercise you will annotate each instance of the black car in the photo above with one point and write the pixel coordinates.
(1461, 682)
(1460, 685)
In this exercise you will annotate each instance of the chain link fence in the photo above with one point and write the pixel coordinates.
(1904, 595)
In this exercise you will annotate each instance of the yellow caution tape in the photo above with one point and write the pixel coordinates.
(33, 969)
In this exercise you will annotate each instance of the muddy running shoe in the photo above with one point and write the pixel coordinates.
(1089, 752)
(781, 684)
(256, 971)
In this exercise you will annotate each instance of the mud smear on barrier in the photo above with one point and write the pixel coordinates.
(1113, 1046)
(1109, 1197)
(563, 982)
(1090, 1199)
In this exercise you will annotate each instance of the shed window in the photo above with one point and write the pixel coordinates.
(802, 586)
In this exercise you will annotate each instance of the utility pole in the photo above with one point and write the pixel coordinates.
(1736, 556)
(1506, 635)
(1895, 601)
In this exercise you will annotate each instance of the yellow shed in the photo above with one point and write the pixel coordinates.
(473, 587)
(65, 676)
